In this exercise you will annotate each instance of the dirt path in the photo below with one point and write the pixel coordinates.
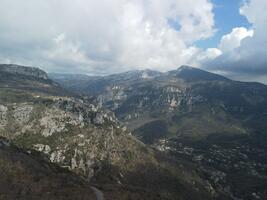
(99, 195)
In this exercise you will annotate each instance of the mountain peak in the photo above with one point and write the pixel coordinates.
(185, 67)
(189, 73)
(23, 70)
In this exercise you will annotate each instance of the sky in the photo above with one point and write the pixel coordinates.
(99, 37)
(226, 17)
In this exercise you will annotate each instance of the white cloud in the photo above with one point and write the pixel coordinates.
(114, 35)
(233, 40)
(204, 56)
(66, 51)
(244, 51)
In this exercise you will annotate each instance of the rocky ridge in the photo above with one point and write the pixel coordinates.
(21, 70)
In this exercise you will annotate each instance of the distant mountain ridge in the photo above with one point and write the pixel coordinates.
(22, 70)
(94, 85)
(184, 72)
(194, 74)
(28, 79)
(177, 98)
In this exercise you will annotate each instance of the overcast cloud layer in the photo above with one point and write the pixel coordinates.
(114, 35)
(108, 36)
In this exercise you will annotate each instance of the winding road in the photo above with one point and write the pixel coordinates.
(99, 195)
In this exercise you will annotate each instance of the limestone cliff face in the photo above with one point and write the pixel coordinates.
(75, 134)
(26, 71)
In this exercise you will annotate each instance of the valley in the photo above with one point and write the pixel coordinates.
(186, 134)
(205, 120)
(77, 134)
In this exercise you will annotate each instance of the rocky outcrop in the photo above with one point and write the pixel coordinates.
(75, 134)
(3, 116)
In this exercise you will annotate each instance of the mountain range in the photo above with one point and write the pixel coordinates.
(187, 102)
(205, 118)
(183, 134)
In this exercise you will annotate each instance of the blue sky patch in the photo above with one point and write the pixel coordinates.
(227, 17)
(174, 24)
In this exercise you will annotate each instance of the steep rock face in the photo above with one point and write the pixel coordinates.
(19, 84)
(21, 70)
(74, 134)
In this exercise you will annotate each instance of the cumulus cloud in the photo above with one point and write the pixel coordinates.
(233, 40)
(104, 36)
(244, 54)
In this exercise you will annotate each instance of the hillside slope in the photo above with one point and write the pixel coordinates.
(27, 176)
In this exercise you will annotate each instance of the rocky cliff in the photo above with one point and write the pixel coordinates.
(72, 133)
